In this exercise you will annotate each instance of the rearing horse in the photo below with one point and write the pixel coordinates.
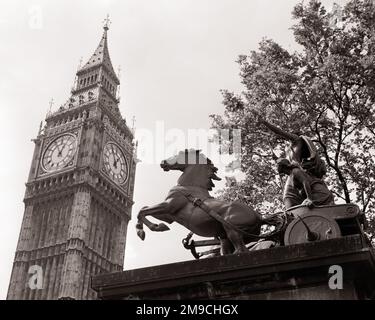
(195, 183)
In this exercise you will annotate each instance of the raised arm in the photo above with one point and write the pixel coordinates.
(280, 132)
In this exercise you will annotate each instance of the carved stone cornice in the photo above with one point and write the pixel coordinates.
(95, 122)
(95, 257)
(61, 249)
(40, 253)
(67, 111)
(64, 127)
(66, 184)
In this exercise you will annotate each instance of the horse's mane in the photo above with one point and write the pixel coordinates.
(201, 159)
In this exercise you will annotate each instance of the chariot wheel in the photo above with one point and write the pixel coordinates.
(309, 227)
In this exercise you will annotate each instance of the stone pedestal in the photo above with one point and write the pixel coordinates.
(291, 272)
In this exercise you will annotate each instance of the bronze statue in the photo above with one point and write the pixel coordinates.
(302, 153)
(190, 204)
(303, 188)
(301, 150)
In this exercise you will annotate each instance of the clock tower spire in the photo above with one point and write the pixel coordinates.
(79, 193)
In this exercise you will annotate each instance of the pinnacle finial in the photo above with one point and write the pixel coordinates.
(51, 102)
(40, 128)
(119, 72)
(80, 63)
(106, 22)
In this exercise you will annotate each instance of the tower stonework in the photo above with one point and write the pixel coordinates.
(79, 192)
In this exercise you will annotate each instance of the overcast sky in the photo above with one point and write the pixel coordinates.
(175, 56)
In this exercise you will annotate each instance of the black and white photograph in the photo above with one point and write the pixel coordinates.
(203, 154)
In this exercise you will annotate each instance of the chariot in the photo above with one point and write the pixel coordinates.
(303, 225)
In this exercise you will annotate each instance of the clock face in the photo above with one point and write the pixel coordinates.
(115, 163)
(59, 153)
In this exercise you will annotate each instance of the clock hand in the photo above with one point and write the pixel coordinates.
(60, 153)
(60, 150)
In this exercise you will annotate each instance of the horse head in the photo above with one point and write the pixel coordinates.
(197, 169)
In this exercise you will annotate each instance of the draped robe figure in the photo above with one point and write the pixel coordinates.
(302, 153)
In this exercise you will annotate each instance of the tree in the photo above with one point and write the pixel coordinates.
(326, 91)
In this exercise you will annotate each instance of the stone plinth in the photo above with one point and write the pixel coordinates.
(290, 272)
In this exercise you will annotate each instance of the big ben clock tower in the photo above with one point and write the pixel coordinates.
(79, 192)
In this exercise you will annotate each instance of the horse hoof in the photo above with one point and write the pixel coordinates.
(162, 227)
(141, 234)
(240, 251)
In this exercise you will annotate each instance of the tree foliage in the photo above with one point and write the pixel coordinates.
(325, 90)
